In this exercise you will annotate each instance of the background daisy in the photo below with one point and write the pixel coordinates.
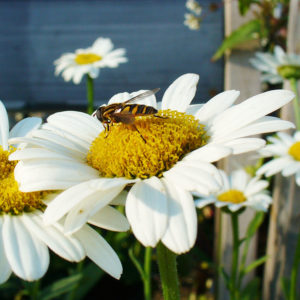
(89, 61)
(275, 66)
(239, 190)
(285, 150)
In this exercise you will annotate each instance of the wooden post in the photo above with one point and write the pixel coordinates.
(285, 214)
(239, 75)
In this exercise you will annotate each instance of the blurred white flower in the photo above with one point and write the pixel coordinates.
(277, 66)
(239, 190)
(89, 61)
(286, 151)
(192, 21)
(194, 6)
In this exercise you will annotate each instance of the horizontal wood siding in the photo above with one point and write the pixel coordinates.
(159, 47)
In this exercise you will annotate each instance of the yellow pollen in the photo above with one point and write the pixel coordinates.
(87, 58)
(149, 147)
(294, 151)
(12, 201)
(232, 196)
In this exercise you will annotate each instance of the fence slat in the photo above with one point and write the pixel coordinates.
(241, 76)
(285, 214)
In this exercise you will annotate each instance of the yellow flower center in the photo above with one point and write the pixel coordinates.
(149, 147)
(294, 151)
(12, 201)
(232, 196)
(87, 58)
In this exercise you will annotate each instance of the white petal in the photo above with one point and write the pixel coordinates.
(25, 126)
(291, 168)
(85, 198)
(65, 246)
(37, 153)
(109, 218)
(102, 45)
(243, 145)
(35, 175)
(274, 166)
(216, 105)
(93, 195)
(208, 153)
(120, 199)
(249, 111)
(180, 93)
(28, 257)
(239, 180)
(193, 177)
(77, 123)
(4, 265)
(200, 203)
(99, 251)
(4, 127)
(263, 125)
(255, 186)
(147, 211)
(181, 232)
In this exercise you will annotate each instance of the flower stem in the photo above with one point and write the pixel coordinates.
(168, 272)
(147, 273)
(294, 273)
(90, 94)
(293, 83)
(234, 291)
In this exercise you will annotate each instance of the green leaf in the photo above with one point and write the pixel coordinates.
(255, 264)
(285, 286)
(244, 6)
(244, 33)
(225, 276)
(91, 275)
(255, 224)
(60, 287)
(250, 292)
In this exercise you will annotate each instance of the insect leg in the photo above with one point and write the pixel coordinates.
(139, 132)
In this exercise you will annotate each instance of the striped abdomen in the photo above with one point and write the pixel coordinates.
(139, 109)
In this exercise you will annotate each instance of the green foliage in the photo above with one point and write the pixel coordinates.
(251, 290)
(247, 32)
(244, 6)
(286, 287)
(60, 287)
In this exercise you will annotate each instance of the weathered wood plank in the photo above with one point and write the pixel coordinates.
(285, 214)
(159, 47)
(241, 76)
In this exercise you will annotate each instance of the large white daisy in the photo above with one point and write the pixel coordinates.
(89, 61)
(239, 190)
(277, 66)
(160, 159)
(286, 151)
(25, 239)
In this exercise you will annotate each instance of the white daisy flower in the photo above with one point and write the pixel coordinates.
(286, 151)
(275, 67)
(239, 190)
(193, 6)
(89, 61)
(161, 159)
(192, 22)
(25, 239)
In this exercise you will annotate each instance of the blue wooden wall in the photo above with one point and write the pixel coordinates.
(159, 48)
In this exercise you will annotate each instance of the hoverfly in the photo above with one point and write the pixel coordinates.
(125, 112)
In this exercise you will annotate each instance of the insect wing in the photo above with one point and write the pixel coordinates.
(126, 118)
(142, 96)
